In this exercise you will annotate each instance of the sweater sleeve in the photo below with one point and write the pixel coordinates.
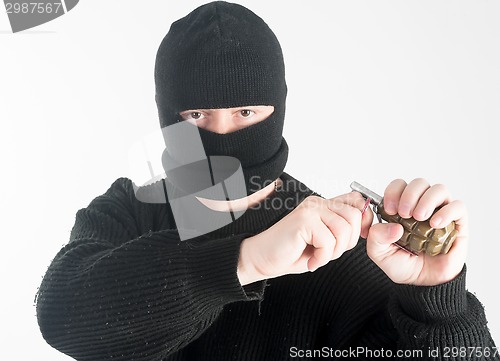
(125, 288)
(372, 317)
(445, 322)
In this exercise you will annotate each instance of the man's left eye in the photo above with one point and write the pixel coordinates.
(246, 113)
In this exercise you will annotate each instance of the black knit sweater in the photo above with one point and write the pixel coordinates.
(126, 288)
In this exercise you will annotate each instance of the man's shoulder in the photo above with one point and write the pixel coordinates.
(151, 192)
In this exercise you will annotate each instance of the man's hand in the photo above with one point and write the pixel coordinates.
(316, 232)
(418, 200)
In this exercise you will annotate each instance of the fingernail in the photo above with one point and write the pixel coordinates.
(404, 209)
(436, 221)
(390, 207)
(421, 216)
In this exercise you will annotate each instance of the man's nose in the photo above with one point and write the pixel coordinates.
(220, 122)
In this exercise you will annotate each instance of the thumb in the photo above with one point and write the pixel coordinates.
(380, 238)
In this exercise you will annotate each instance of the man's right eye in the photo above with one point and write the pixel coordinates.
(192, 115)
(195, 115)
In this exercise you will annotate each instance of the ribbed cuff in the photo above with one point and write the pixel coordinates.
(434, 303)
(214, 270)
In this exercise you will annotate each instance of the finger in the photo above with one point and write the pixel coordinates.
(381, 237)
(356, 200)
(366, 221)
(411, 196)
(324, 243)
(392, 195)
(434, 197)
(454, 211)
(458, 250)
(341, 230)
(346, 225)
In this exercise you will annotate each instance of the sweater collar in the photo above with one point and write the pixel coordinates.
(260, 217)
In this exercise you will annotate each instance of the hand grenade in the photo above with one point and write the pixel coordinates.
(418, 236)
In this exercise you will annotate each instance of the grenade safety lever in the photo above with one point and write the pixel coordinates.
(418, 236)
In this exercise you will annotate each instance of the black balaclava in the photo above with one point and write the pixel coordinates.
(222, 55)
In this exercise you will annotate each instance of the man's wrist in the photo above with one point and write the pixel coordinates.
(431, 303)
(246, 271)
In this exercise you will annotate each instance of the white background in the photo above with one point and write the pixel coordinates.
(377, 90)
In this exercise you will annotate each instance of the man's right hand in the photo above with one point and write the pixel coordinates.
(316, 232)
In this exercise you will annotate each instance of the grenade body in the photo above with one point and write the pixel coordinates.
(419, 236)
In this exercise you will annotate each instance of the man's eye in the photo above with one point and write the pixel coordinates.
(245, 113)
(195, 115)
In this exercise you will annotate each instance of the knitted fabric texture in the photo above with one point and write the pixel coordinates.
(222, 55)
(125, 288)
